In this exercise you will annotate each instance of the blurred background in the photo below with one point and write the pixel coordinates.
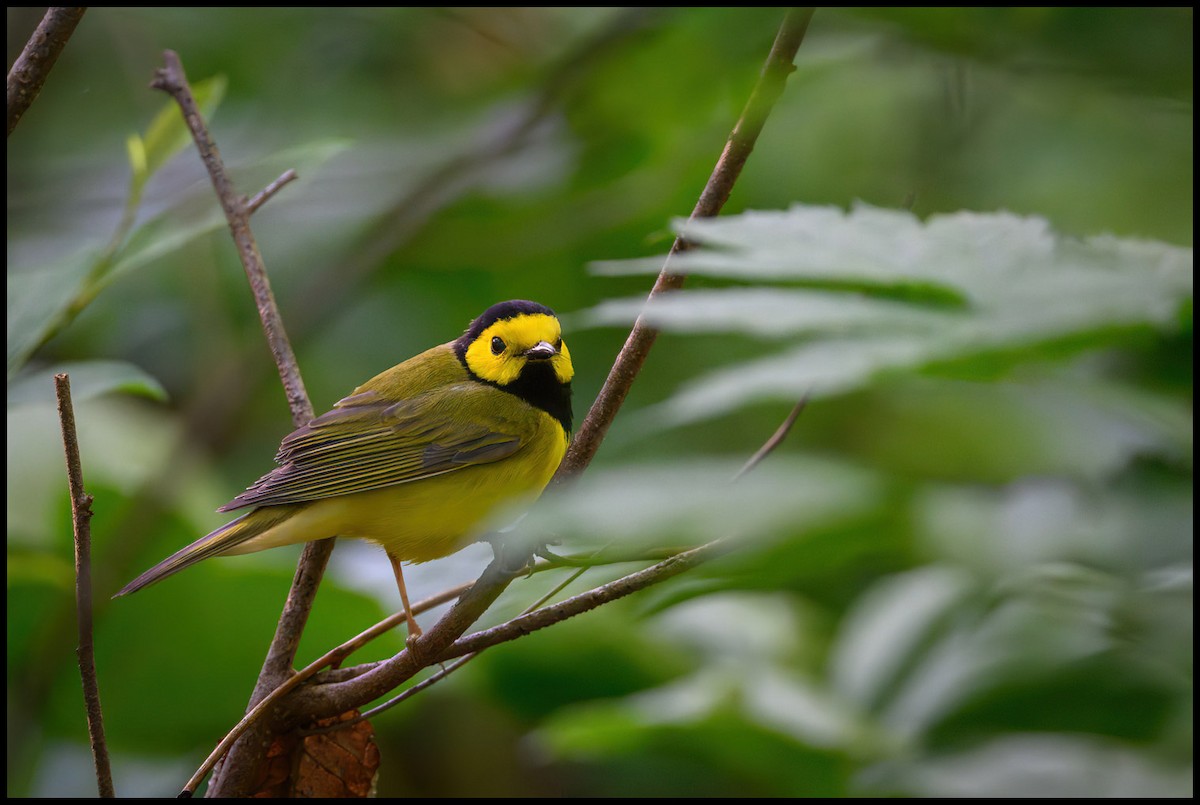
(991, 594)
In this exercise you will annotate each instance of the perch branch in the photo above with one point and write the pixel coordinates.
(32, 67)
(338, 698)
(446, 671)
(307, 703)
(81, 515)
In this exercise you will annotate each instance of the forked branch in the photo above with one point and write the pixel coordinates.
(443, 640)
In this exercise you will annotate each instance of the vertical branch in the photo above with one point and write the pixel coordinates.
(33, 66)
(716, 192)
(277, 666)
(81, 515)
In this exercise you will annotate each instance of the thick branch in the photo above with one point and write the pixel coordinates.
(33, 66)
(81, 515)
(330, 658)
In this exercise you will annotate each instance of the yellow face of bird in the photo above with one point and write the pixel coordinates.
(504, 348)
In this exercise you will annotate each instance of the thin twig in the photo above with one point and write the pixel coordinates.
(776, 439)
(81, 515)
(446, 671)
(171, 79)
(716, 192)
(584, 602)
(264, 195)
(32, 67)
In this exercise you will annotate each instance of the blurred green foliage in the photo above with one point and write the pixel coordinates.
(966, 578)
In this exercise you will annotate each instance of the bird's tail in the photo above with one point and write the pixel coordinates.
(224, 539)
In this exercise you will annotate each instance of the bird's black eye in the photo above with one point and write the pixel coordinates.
(497, 345)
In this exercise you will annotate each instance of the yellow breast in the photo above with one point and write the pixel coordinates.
(432, 517)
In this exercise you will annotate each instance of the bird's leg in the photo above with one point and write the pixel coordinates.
(414, 631)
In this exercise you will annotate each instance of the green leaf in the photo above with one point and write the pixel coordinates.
(1037, 766)
(769, 313)
(199, 214)
(879, 281)
(40, 300)
(672, 503)
(37, 298)
(888, 625)
(88, 379)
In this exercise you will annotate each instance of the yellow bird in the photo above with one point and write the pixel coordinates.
(417, 456)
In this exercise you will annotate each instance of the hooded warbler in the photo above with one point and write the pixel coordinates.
(417, 456)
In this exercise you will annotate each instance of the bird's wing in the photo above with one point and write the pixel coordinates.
(369, 442)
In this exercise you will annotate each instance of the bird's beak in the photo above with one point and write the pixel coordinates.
(541, 351)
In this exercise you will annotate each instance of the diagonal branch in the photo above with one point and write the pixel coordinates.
(716, 192)
(31, 69)
(322, 701)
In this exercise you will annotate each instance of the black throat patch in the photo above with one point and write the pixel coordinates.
(537, 383)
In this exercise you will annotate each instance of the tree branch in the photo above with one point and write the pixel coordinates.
(31, 69)
(716, 192)
(333, 657)
(306, 703)
(172, 80)
(277, 666)
(81, 515)
(434, 644)
(268, 192)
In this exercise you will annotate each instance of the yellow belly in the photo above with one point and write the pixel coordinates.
(425, 519)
